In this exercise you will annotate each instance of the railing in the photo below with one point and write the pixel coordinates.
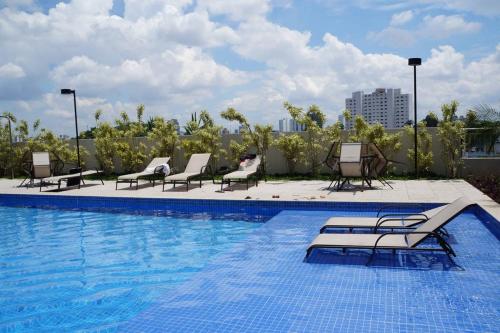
(482, 142)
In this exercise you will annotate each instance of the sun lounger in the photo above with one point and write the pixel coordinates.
(384, 221)
(153, 171)
(248, 169)
(59, 179)
(408, 240)
(196, 167)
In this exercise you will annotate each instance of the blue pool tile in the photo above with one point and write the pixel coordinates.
(262, 285)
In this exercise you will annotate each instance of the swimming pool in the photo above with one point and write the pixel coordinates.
(86, 269)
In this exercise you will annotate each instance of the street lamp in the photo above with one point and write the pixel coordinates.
(72, 92)
(415, 62)
(11, 148)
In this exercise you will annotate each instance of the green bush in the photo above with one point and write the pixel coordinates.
(260, 137)
(424, 145)
(451, 133)
(205, 138)
(292, 146)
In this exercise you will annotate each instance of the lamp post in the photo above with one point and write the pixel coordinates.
(415, 62)
(11, 148)
(69, 92)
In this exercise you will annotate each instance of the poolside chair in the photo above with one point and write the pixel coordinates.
(196, 167)
(351, 164)
(154, 171)
(41, 166)
(76, 177)
(248, 168)
(42, 170)
(332, 162)
(408, 240)
(379, 163)
(382, 221)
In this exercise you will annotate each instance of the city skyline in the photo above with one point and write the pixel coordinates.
(181, 56)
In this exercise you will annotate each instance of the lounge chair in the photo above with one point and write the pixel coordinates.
(351, 164)
(196, 167)
(332, 162)
(71, 176)
(41, 170)
(153, 172)
(382, 221)
(249, 169)
(408, 240)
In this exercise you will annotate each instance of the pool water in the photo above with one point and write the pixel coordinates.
(77, 270)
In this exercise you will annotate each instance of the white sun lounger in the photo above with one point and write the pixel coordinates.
(408, 240)
(243, 174)
(196, 167)
(385, 221)
(152, 171)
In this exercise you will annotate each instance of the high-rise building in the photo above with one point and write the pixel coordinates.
(386, 106)
(290, 125)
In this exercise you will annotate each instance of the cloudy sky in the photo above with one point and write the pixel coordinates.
(181, 56)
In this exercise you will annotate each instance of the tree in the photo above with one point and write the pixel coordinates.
(192, 125)
(292, 146)
(164, 137)
(316, 115)
(471, 119)
(6, 151)
(315, 138)
(424, 145)
(106, 146)
(452, 136)
(431, 120)
(260, 137)
(132, 153)
(375, 133)
(205, 138)
(41, 139)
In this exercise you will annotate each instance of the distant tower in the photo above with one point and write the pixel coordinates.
(385, 106)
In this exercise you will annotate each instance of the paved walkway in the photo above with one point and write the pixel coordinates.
(403, 191)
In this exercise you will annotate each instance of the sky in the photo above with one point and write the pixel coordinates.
(181, 56)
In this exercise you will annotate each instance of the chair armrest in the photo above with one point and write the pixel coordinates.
(394, 206)
(432, 233)
(383, 220)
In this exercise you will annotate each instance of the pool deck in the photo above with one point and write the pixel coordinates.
(422, 191)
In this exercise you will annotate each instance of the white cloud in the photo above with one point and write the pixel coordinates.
(401, 18)
(442, 26)
(11, 71)
(165, 56)
(236, 10)
(432, 27)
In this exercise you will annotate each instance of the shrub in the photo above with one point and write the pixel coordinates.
(106, 146)
(164, 137)
(424, 144)
(292, 146)
(374, 133)
(132, 153)
(205, 138)
(260, 137)
(452, 136)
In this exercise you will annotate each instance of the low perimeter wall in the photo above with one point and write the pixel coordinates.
(276, 163)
